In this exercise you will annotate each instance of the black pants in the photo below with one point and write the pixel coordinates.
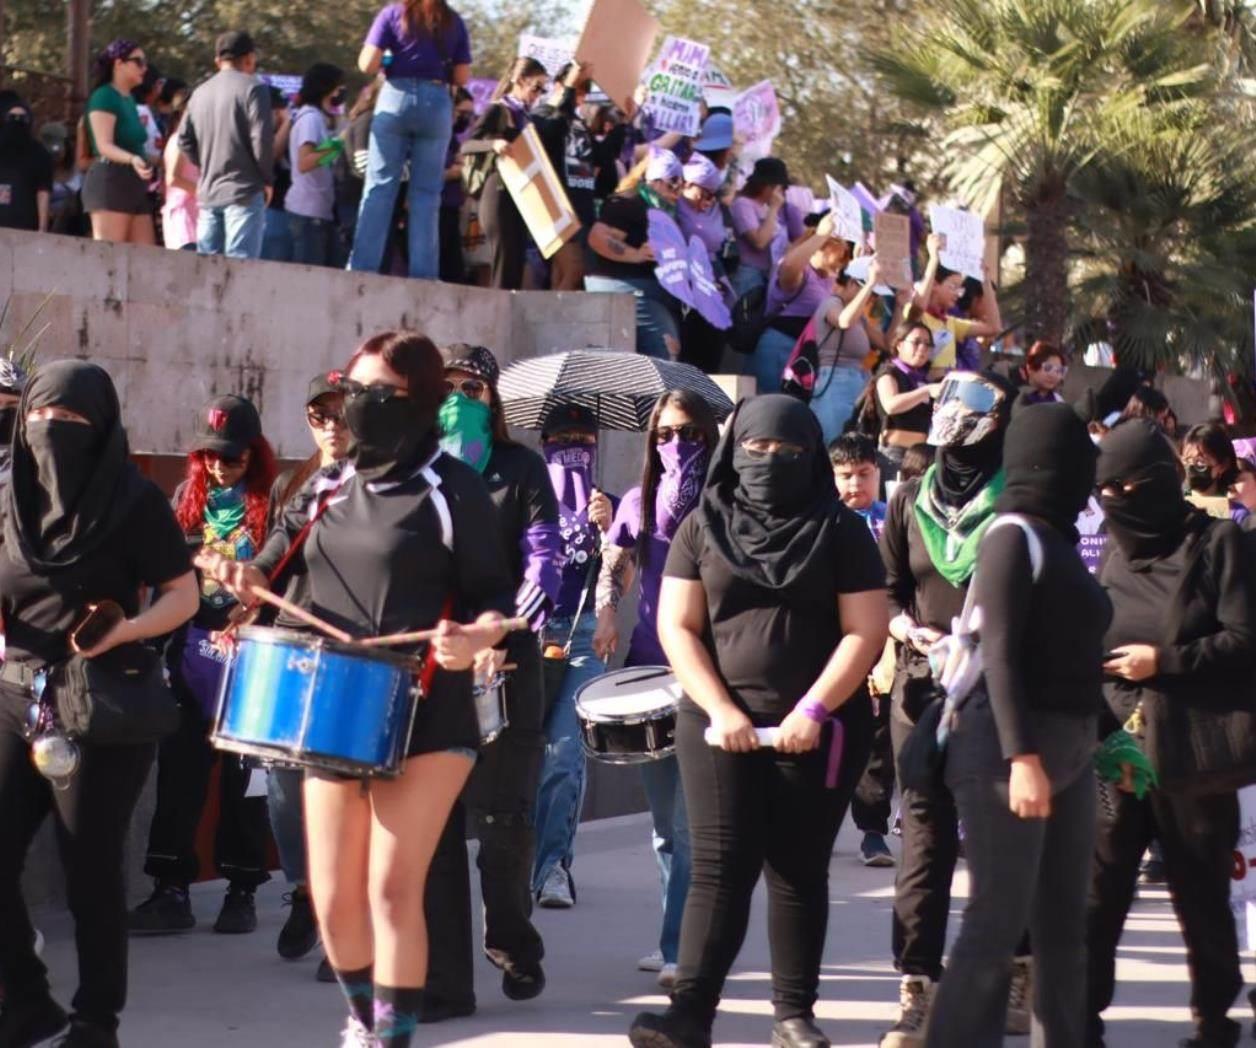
(701, 344)
(453, 268)
(760, 813)
(870, 807)
(1025, 873)
(1197, 836)
(92, 817)
(184, 762)
(501, 799)
(505, 233)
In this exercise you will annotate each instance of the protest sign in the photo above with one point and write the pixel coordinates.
(481, 90)
(704, 291)
(965, 239)
(757, 118)
(718, 89)
(1092, 536)
(537, 193)
(1243, 871)
(671, 256)
(616, 41)
(847, 216)
(551, 53)
(288, 83)
(801, 198)
(893, 235)
(866, 200)
(674, 101)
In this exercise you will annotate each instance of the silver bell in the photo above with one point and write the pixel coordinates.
(56, 758)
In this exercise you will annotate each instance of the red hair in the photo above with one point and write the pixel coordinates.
(1040, 352)
(258, 479)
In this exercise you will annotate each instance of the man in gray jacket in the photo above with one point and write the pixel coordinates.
(229, 134)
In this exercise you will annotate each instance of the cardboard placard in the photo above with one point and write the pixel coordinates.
(718, 89)
(965, 234)
(893, 234)
(537, 193)
(616, 41)
(674, 84)
(551, 53)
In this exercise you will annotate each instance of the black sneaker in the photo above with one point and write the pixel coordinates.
(81, 1035)
(238, 915)
(874, 851)
(666, 1030)
(166, 911)
(523, 982)
(22, 1026)
(299, 934)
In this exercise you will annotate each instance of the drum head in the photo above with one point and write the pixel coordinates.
(311, 641)
(629, 694)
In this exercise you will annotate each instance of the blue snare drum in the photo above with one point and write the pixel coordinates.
(301, 699)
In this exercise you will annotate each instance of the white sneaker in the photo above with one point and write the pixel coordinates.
(1020, 997)
(667, 976)
(651, 962)
(915, 995)
(355, 1035)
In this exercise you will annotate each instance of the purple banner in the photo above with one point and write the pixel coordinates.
(481, 92)
(671, 256)
(1093, 538)
(704, 290)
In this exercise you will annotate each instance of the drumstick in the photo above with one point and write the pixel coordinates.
(419, 636)
(309, 619)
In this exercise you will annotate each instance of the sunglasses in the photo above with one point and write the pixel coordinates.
(320, 417)
(1054, 369)
(139, 61)
(231, 462)
(472, 388)
(376, 392)
(688, 432)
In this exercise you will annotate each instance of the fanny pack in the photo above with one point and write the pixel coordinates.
(119, 698)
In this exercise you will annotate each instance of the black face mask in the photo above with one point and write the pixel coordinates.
(64, 458)
(1147, 521)
(774, 482)
(386, 433)
(1199, 477)
(15, 133)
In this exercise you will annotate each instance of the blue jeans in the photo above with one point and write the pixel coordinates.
(838, 389)
(236, 231)
(311, 239)
(287, 821)
(657, 312)
(413, 121)
(277, 239)
(561, 794)
(671, 846)
(769, 359)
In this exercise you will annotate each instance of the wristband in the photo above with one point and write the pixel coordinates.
(813, 709)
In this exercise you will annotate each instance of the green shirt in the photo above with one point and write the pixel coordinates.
(128, 132)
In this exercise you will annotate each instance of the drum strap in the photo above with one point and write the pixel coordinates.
(324, 500)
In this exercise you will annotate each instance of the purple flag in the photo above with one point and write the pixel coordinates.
(707, 299)
(671, 256)
(866, 200)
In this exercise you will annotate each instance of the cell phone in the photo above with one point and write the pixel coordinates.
(96, 625)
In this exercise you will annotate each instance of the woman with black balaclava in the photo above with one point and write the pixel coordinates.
(26, 168)
(1182, 644)
(1212, 466)
(1019, 757)
(80, 526)
(933, 528)
(772, 613)
(433, 556)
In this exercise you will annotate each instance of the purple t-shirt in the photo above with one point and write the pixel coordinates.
(708, 226)
(816, 287)
(644, 649)
(312, 193)
(747, 217)
(419, 57)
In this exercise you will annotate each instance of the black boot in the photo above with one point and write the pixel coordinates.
(30, 1022)
(800, 1032)
(672, 1029)
(84, 1035)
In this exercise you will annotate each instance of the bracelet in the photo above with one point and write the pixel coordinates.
(813, 709)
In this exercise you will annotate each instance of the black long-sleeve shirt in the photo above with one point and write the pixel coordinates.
(1042, 643)
(915, 586)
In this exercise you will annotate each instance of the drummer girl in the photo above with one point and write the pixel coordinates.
(679, 440)
(407, 539)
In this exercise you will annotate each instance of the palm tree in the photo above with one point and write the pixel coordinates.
(1022, 97)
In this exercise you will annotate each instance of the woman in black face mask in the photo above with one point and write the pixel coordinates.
(408, 539)
(1181, 651)
(772, 613)
(1212, 467)
(80, 526)
(26, 168)
(1018, 762)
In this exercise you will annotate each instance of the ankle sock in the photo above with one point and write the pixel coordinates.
(397, 1014)
(359, 990)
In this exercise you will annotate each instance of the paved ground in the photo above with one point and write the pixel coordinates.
(207, 991)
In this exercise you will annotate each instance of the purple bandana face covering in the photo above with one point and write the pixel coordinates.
(684, 470)
(571, 473)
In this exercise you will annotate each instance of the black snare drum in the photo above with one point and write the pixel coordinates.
(628, 716)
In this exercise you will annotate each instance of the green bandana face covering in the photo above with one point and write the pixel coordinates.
(654, 200)
(466, 427)
(952, 540)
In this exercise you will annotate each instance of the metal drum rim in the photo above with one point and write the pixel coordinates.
(277, 635)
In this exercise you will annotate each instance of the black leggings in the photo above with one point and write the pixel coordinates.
(751, 813)
(506, 234)
(92, 817)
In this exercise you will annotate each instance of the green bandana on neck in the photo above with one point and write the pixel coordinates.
(654, 200)
(224, 512)
(952, 542)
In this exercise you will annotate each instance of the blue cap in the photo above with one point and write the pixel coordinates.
(717, 133)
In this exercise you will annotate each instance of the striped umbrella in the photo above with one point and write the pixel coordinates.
(621, 389)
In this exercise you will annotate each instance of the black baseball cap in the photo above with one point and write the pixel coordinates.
(235, 43)
(323, 383)
(475, 360)
(568, 416)
(227, 426)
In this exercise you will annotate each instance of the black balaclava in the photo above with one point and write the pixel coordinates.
(1049, 463)
(767, 515)
(1148, 521)
(390, 437)
(72, 484)
(16, 136)
(963, 470)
